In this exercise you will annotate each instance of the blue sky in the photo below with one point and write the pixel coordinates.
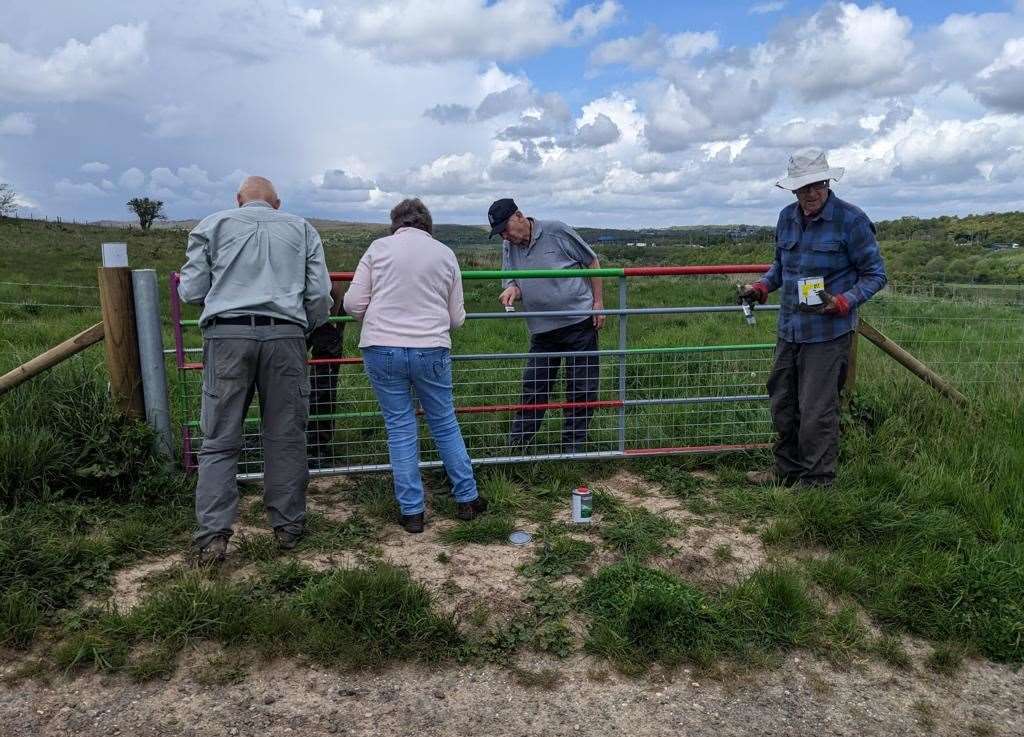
(602, 112)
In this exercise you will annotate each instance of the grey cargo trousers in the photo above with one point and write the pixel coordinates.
(804, 391)
(238, 360)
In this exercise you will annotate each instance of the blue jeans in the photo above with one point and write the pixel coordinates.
(393, 372)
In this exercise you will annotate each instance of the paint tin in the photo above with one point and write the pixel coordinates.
(582, 505)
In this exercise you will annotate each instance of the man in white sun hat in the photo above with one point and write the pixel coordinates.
(827, 263)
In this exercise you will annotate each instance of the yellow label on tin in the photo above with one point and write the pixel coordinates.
(808, 289)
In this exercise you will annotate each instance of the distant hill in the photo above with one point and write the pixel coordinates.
(974, 248)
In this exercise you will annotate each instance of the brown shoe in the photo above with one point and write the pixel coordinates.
(471, 510)
(766, 477)
(211, 554)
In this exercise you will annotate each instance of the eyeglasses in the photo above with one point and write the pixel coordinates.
(812, 187)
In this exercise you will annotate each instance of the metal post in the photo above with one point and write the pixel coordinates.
(623, 290)
(151, 358)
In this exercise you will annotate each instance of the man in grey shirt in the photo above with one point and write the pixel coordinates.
(261, 278)
(550, 244)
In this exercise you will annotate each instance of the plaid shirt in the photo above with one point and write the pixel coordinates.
(837, 244)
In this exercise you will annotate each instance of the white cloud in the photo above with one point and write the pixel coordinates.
(132, 178)
(17, 124)
(765, 8)
(844, 48)
(345, 122)
(164, 178)
(67, 189)
(193, 176)
(597, 134)
(450, 174)
(94, 167)
(409, 31)
(449, 113)
(511, 99)
(1001, 83)
(173, 121)
(341, 180)
(653, 49)
(76, 70)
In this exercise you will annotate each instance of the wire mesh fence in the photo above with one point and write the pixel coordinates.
(972, 335)
(33, 298)
(675, 401)
(682, 374)
(652, 393)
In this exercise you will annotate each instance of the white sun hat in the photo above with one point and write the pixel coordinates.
(808, 165)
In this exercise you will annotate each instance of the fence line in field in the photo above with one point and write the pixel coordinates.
(975, 340)
(660, 399)
(23, 294)
(702, 394)
(48, 286)
(48, 304)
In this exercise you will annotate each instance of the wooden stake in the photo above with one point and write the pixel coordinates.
(51, 358)
(916, 367)
(121, 344)
(851, 370)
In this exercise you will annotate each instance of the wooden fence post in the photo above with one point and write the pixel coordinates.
(908, 361)
(850, 384)
(121, 343)
(52, 357)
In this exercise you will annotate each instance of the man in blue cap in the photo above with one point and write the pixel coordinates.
(528, 243)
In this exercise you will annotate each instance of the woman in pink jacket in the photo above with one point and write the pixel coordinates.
(407, 292)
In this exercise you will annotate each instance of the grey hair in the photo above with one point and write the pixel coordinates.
(411, 213)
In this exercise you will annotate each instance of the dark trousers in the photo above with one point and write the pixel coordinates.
(804, 390)
(581, 381)
(324, 342)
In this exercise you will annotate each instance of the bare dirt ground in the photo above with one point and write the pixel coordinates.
(802, 694)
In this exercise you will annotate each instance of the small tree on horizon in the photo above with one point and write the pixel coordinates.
(8, 200)
(147, 211)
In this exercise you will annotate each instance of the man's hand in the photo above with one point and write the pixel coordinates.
(755, 292)
(510, 295)
(833, 304)
(598, 319)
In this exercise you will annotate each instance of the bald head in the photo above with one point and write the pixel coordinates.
(257, 188)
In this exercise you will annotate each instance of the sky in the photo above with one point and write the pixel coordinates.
(597, 112)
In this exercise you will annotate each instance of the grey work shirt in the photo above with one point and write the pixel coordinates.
(553, 245)
(260, 261)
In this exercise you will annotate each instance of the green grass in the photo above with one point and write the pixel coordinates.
(946, 658)
(558, 555)
(351, 618)
(924, 533)
(891, 651)
(635, 532)
(491, 528)
(642, 615)
(325, 534)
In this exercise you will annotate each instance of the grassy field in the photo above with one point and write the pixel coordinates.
(924, 534)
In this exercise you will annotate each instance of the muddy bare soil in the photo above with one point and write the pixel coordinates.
(800, 696)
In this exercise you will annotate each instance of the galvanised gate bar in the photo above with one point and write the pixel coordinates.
(677, 378)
